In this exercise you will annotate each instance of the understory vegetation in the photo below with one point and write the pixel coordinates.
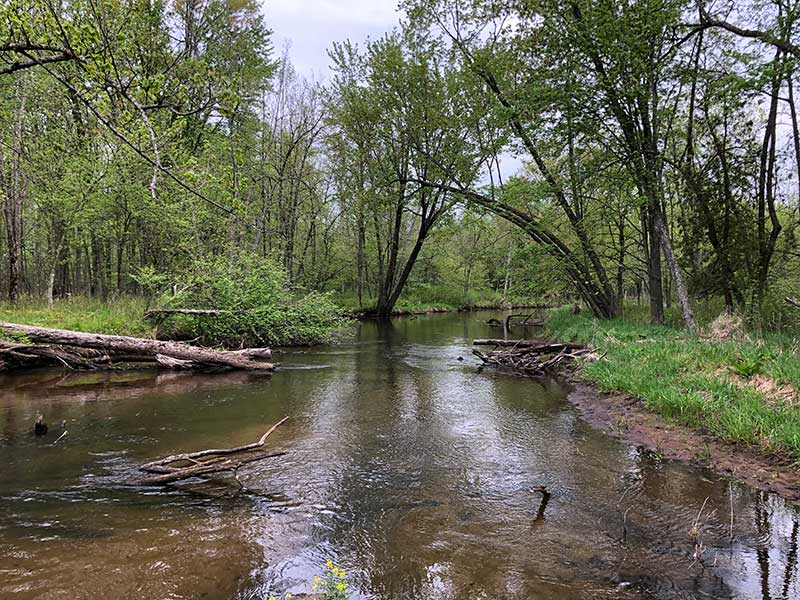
(123, 316)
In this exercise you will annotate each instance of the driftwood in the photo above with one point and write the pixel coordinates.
(522, 321)
(20, 356)
(77, 350)
(178, 467)
(531, 357)
(537, 345)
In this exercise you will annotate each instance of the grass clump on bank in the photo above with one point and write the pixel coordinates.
(741, 389)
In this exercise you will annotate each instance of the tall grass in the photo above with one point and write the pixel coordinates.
(120, 316)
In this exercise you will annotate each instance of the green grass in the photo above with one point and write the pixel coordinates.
(695, 381)
(120, 316)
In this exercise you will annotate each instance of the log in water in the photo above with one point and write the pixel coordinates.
(79, 350)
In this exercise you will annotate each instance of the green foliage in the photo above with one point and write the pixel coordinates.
(333, 586)
(259, 308)
(749, 364)
(150, 280)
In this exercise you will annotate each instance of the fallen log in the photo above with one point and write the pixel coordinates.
(80, 350)
(523, 321)
(207, 468)
(198, 312)
(31, 356)
(204, 462)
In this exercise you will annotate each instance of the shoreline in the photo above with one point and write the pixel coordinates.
(365, 315)
(624, 417)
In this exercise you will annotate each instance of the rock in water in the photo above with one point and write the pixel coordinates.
(40, 428)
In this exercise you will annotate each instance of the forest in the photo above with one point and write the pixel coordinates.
(144, 143)
(203, 245)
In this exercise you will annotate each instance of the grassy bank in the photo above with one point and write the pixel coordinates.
(741, 388)
(121, 316)
(303, 323)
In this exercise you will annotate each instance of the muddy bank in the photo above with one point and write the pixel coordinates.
(626, 417)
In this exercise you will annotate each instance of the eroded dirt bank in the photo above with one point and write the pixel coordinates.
(625, 417)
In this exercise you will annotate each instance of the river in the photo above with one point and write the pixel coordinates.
(415, 471)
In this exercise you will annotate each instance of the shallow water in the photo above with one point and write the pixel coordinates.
(413, 470)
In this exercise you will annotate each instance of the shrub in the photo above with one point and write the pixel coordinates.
(259, 307)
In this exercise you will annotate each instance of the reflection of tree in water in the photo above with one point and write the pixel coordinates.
(762, 551)
(765, 541)
(791, 560)
(9, 433)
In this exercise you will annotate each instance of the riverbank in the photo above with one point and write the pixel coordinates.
(121, 316)
(426, 300)
(725, 398)
(434, 309)
(302, 323)
(125, 315)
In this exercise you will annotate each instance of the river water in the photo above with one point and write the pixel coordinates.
(410, 468)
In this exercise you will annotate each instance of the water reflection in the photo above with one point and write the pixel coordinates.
(423, 477)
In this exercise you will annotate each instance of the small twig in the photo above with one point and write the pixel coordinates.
(697, 520)
(730, 491)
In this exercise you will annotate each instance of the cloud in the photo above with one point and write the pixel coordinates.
(374, 13)
(311, 27)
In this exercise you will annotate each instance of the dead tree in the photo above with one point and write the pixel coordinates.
(179, 467)
(531, 357)
(77, 350)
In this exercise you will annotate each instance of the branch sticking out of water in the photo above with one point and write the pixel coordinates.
(204, 462)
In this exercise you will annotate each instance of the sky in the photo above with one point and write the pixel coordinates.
(311, 26)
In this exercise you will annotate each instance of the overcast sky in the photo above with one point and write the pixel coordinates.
(311, 26)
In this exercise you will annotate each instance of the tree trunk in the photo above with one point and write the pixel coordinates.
(14, 184)
(687, 314)
(507, 278)
(654, 266)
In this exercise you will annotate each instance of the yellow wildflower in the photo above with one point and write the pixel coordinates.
(329, 564)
